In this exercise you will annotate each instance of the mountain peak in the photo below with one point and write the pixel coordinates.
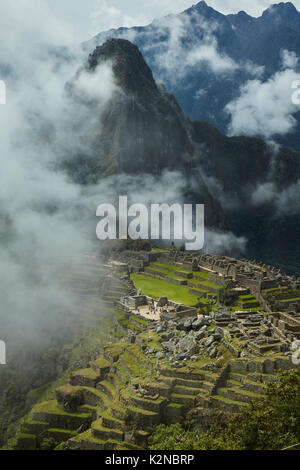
(130, 69)
(243, 14)
(282, 9)
(202, 5)
(202, 8)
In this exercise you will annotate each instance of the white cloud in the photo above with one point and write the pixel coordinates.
(98, 85)
(200, 93)
(289, 59)
(266, 108)
(45, 214)
(263, 194)
(224, 243)
(174, 58)
(31, 21)
(107, 16)
(208, 53)
(286, 202)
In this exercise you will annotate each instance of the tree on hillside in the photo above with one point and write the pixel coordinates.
(271, 423)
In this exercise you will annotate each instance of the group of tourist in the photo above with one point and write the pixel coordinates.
(152, 309)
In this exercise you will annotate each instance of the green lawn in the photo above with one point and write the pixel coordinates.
(203, 274)
(239, 309)
(156, 288)
(169, 274)
(275, 289)
(246, 301)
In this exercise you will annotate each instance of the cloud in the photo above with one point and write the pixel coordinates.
(174, 57)
(115, 14)
(45, 218)
(288, 200)
(265, 108)
(107, 16)
(32, 22)
(221, 243)
(289, 59)
(96, 86)
(285, 202)
(264, 193)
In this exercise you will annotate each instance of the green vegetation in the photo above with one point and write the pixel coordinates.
(125, 323)
(124, 391)
(52, 408)
(203, 274)
(171, 267)
(157, 288)
(174, 437)
(269, 423)
(165, 273)
(152, 338)
(227, 296)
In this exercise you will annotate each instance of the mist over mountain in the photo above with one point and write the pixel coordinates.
(249, 186)
(234, 71)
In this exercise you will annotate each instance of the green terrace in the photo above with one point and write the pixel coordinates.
(246, 302)
(237, 308)
(296, 299)
(187, 288)
(275, 290)
(179, 269)
(204, 283)
(164, 272)
(171, 267)
(134, 323)
(281, 294)
(247, 297)
(102, 402)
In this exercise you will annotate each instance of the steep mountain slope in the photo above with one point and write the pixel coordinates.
(205, 58)
(142, 129)
(258, 187)
(247, 185)
(144, 121)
